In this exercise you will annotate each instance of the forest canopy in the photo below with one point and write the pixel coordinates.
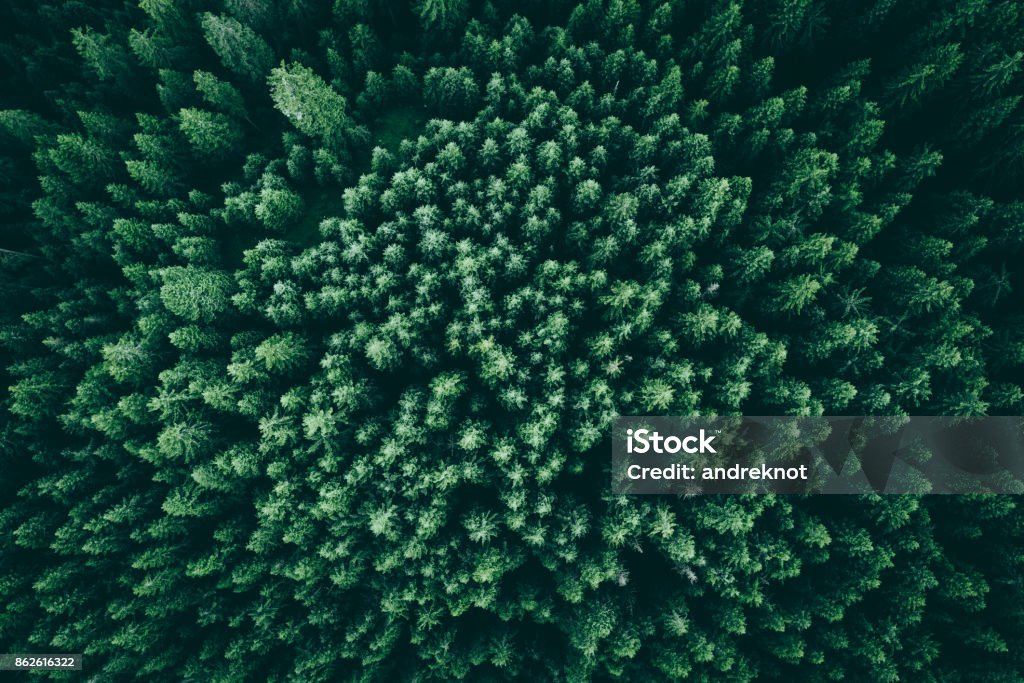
(316, 317)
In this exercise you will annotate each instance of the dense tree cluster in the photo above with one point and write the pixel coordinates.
(316, 317)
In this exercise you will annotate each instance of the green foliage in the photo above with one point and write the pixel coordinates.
(241, 50)
(194, 293)
(311, 368)
(278, 207)
(220, 95)
(441, 14)
(212, 135)
(308, 102)
(451, 91)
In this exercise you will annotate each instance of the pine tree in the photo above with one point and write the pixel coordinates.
(309, 103)
(241, 50)
(212, 135)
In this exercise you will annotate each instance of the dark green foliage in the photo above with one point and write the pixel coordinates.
(194, 293)
(308, 102)
(441, 14)
(211, 135)
(317, 315)
(451, 92)
(241, 49)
